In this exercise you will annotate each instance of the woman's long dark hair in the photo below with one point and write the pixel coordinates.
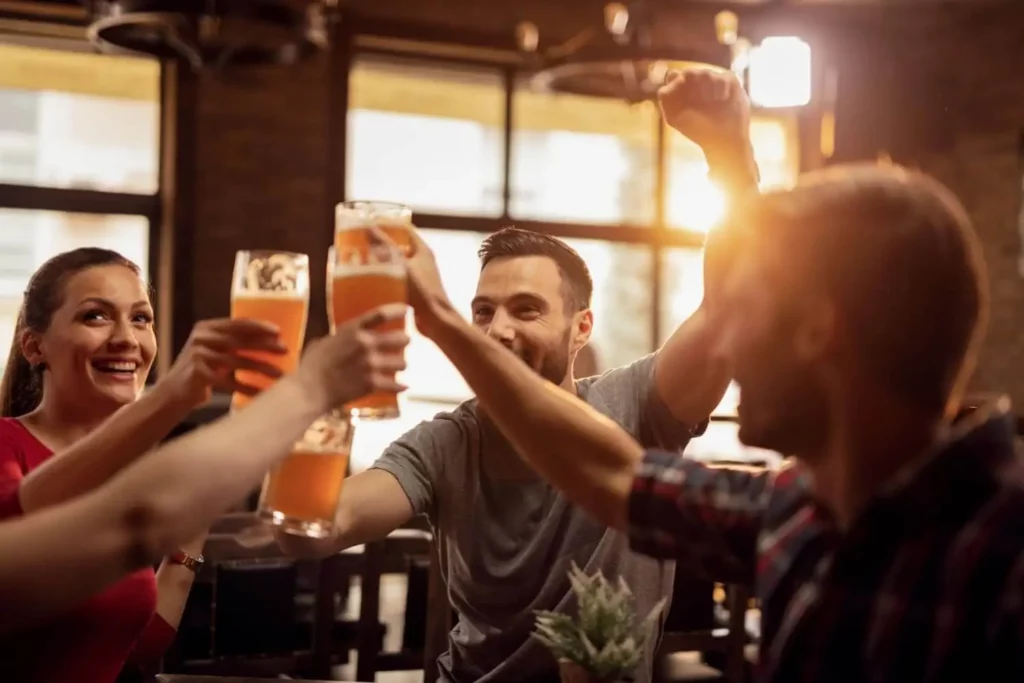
(22, 387)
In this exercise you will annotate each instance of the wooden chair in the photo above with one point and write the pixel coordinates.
(243, 617)
(676, 659)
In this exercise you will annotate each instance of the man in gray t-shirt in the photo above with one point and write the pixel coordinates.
(506, 538)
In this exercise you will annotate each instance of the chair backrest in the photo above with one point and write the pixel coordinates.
(254, 608)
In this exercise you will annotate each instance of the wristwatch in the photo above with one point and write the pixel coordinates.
(187, 561)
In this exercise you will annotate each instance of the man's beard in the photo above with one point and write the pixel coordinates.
(554, 365)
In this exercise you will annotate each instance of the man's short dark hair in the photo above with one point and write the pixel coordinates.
(512, 242)
(897, 253)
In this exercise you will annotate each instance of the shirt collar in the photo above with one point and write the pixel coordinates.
(970, 457)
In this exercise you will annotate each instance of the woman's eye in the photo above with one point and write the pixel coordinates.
(143, 319)
(89, 316)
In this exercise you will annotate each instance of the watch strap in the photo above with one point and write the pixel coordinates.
(188, 561)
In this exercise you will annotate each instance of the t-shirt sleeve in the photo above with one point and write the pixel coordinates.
(12, 471)
(628, 395)
(417, 460)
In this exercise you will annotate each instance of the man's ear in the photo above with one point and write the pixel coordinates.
(582, 328)
(816, 333)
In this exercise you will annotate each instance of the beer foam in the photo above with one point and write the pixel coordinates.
(396, 270)
(276, 294)
(346, 219)
(278, 272)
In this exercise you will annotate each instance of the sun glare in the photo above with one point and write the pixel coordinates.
(695, 203)
(780, 72)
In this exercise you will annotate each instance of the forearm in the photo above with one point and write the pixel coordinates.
(175, 492)
(581, 452)
(688, 376)
(732, 166)
(372, 505)
(56, 558)
(174, 583)
(119, 441)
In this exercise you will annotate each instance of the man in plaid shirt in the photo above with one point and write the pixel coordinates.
(891, 548)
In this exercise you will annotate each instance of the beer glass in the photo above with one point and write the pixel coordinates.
(357, 282)
(300, 495)
(272, 286)
(353, 220)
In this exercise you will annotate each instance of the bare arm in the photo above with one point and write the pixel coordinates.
(581, 452)
(147, 510)
(106, 451)
(205, 362)
(688, 377)
(373, 505)
(172, 495)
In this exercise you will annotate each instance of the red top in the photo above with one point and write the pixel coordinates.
(94, 641)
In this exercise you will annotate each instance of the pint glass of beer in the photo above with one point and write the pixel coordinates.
(301, 494)
(272, 286)
(353, 221)
(357, 282)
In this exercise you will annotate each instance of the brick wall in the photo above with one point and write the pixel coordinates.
(939, 89)
(952, 101)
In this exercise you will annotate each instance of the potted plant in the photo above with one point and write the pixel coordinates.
(605, 642)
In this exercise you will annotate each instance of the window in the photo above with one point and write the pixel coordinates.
(77, 120)
(582, 159)
(621, 275)
(695, 203)
(426, 137)
(28, 238)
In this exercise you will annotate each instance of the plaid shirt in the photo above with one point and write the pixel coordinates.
(927, 586)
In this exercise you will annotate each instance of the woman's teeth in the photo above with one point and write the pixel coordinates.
(117, 366)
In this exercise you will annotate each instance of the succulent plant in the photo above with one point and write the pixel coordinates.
(605, 638)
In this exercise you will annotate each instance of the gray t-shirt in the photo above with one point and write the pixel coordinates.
(507, 539)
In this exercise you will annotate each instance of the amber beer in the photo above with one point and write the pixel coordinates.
(301, 494)
(353, 222)
(272, 287)
(353, 290)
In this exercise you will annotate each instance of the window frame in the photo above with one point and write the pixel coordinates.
(81, 201)
(365, 39)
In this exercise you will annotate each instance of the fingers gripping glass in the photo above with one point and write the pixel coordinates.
(360, 279)
(353, 222)
(271, 286)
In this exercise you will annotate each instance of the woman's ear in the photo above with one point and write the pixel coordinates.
(31, 347)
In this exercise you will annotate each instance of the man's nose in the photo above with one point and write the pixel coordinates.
(501, 328)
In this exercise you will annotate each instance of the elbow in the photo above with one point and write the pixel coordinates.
(147, 535)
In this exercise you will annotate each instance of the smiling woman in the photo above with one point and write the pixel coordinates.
(28, 238)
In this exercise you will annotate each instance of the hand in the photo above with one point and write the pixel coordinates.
(211, 356)
(426, 292)
(356, 360)
(709, 107)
